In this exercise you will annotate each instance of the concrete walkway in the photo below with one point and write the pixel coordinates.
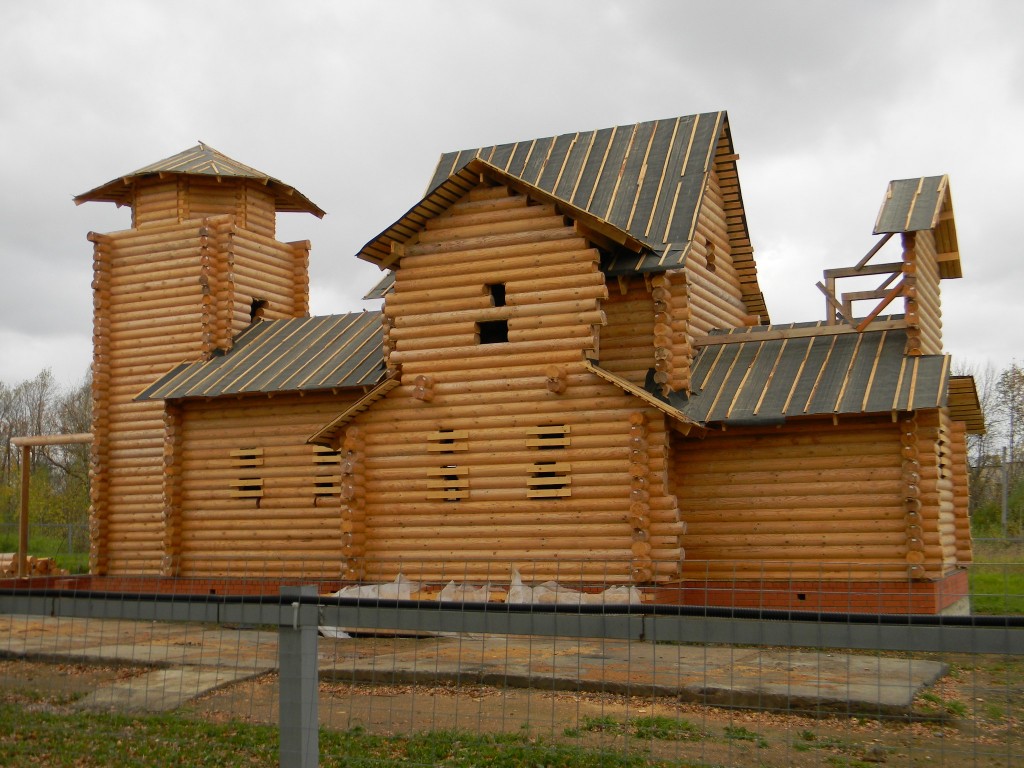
(188, 660)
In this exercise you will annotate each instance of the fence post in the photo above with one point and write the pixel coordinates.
(298, 682)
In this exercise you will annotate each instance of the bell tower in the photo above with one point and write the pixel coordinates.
(199, 264)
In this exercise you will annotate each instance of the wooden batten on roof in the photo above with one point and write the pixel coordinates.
(200, 160)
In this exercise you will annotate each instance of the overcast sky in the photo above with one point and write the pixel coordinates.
(352, 103)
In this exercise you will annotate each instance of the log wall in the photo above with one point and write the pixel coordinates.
(147, 318)
(961, 501)
(922, 305)
(816, 500)
(179, 198)
(167, 291)
(715, 297)
(250, 497)
(627, 341)
(490, 456)
(939, 527)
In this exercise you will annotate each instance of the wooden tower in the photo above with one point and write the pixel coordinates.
(199, 264)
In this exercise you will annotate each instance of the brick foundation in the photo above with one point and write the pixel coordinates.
(899, 597)
(921, 597)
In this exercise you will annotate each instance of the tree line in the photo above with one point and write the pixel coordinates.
(59, 474)
(997, 457)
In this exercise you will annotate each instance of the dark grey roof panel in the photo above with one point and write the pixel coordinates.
(771, 379)
(647, 180)
(298, 355)
(912, 205)
(381, 289)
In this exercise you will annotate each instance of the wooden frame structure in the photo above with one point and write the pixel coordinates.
(573, 376)
(26, 444)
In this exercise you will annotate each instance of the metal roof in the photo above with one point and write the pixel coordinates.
(751, 380)
(644, 182)
(297, 355)
(201, 160)
(915, 205)
(645, 179)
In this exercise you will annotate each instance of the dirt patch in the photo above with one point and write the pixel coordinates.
(54, 686)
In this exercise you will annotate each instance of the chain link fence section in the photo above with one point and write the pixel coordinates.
(444, 682)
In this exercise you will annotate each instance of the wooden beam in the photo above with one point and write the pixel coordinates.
(26, 458)
(896, 291)
(792, 333)
(37, 440)
(877, 247)
(873, 269)
(833, 302)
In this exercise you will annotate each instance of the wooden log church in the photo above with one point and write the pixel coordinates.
(573, 376)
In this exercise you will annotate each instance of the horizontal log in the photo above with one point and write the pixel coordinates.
(460, 216)
(501, 264)
(473, 248)
(452, 230)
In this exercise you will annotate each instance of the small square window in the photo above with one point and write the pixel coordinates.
(493, 331)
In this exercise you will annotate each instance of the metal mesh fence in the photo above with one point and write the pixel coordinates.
(221, 671)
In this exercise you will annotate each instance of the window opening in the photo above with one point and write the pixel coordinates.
(497, 291)
(327, 474)
(549, 478)
(248, 484)
(257, 309)
(492, 331)
(448, 482)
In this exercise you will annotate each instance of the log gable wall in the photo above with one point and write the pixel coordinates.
(493, 454)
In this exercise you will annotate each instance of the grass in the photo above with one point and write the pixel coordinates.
(39, 735)
(932, 701)
(739, 733)
(997, 578)
(647, 728)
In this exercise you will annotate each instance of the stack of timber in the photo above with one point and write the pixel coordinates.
(490, 456)
(36, 566)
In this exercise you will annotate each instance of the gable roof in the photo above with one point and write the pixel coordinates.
(200, 160)
(642, 185)
(751, 380)
(914, 205)
(296, 355)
